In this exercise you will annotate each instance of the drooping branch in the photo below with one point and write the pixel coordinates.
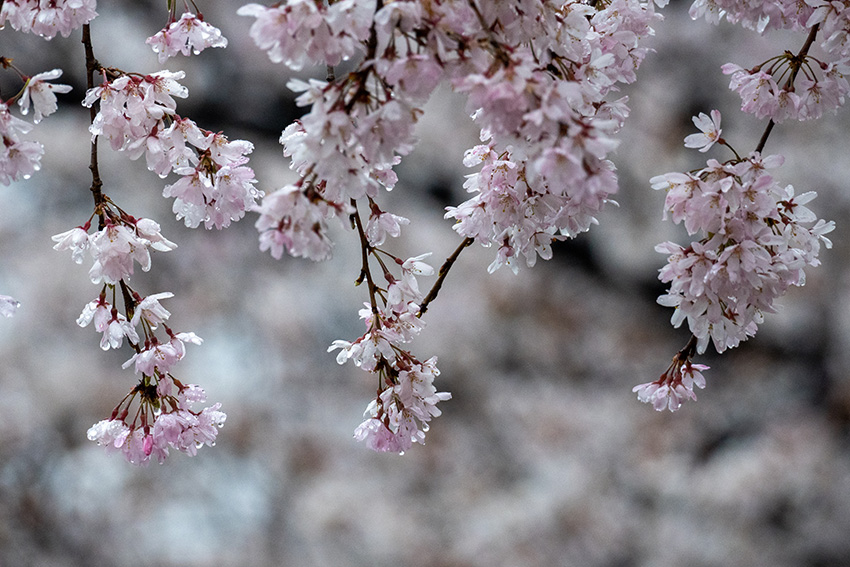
(441, 276)
(92, 67)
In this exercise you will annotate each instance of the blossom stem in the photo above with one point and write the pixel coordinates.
(689, 351)
(444, 271)
(799, 58)
(96, 184)
(365, 249)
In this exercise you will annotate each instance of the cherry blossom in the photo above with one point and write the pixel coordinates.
(47, 18)
(302, 32)
(709, 131)
(150, 311)
(189, 34)
(162, 422)
(109, 321)
(674, 386)
(755, 244)
(76, 240)
(42, 94)
(18, 158)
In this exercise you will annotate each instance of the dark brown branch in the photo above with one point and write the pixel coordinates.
(444, 271)
(365, 248)
(796, 63)
(92, 67)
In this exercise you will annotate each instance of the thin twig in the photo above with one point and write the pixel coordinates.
(92, 67)
(795, 68)
(444, 271)
(365, 249)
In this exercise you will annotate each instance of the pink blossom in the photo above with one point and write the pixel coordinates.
(18, 158)
(674, 386)
(754, 244)
(110, 322)
(381, 225)
(42, 94)
(189, 34)
(76, 240)
(709, 131)
(47, 18)
(150, 310)
(162, 357)
(115, 249)
(301, 32)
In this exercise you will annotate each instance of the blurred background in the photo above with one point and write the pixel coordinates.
(542, 458)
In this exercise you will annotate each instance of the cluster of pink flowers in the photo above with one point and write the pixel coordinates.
(137, 115)
(20, 158)
(165, 419)
(540, 103)
(122, 242)
(536, 76)
(756, 239)
(305, 32)
(544, 171)
(47, 18)
(162, 420)
(189, 34)
(674, 386)
(788, 87)
(407, 398)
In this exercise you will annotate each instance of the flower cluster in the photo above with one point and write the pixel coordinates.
(163, 420)
(303, 32)
(675, 385)
(756, 239)
(407, 398)
(137, 115)
(789, 87)
(189, 34)
(47, 18)
(20, 158)
(544, 171)
(536, 76)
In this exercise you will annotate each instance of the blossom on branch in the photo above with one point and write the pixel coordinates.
(18, 158)
(41, 93)
(754, 245)
(189, 34)
(47, 18)
(709, 131)
(163, 421)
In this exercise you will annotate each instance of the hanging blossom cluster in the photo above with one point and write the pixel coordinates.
(137, 114)
(163, 416)
(407, 398)
(19, 157)
(47, 18)
(756, 239)
(188, 34)
(787, 86)
(544, 173)
(756, 236)
(536, 75)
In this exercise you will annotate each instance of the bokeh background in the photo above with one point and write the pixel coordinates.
(542, 458)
